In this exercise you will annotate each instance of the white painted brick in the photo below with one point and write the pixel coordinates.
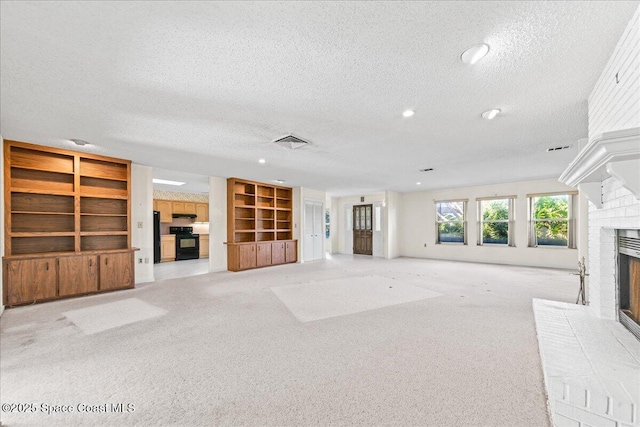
(574, 413)
(623, 411)
(561, 421)
(598, 402)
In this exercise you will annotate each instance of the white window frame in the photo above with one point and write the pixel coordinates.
(510, 221)
(463, 221)
(572, 210)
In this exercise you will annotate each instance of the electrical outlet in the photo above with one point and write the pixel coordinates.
(139, 260)
(139, 224)
(425, 245)
(146, 260)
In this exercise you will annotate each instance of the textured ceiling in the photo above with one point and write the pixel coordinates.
(203, 87)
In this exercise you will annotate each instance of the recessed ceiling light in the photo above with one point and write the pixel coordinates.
(418, 183)
(279, 181)
(408, 113)
(490, 114)
(79, 142)
(262, 161)
(475, 53)
(167, 182)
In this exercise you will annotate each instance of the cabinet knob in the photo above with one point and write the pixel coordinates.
(106, 261)
(47, 265)
(90, 262)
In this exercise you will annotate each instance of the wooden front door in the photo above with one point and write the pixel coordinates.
(362, 230)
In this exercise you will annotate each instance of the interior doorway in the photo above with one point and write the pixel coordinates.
(362, 230)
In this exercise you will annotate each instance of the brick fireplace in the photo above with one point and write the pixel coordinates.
(607, 171)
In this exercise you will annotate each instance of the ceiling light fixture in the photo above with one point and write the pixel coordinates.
(418, 183)
(167, 182)
(408, 113)
(262, 161)
(279, 181)
(489, 115)
(80, 142)
(474, 54)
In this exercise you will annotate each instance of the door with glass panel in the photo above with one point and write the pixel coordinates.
(362, 230)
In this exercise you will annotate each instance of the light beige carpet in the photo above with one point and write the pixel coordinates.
(317, 300)
(228, 352)
(102, 317)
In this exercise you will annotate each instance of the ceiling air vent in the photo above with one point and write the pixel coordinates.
(558, 148)
(426, 170)
(291, 142)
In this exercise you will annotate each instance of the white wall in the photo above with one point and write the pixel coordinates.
(613, 106)
(217, 224)
(142, 211)
(393, 207)
(417, 227)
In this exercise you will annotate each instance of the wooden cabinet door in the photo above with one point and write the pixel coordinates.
(178, 207)
(291, 251)
(263, 257)
(166, 210)
(189, 207)
(277, 253)
(116, 271)
(168, 248)
(204, 246)
(77, 275)
(247, 256)
(202, 212)
(29, 280)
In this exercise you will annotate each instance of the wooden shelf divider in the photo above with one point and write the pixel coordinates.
(64, 203)
(259, 219)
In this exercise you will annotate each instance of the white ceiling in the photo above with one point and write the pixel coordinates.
(203, 87)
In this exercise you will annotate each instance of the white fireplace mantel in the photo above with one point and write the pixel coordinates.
(613, 154)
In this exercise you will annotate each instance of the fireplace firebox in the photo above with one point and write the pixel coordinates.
(629, 279)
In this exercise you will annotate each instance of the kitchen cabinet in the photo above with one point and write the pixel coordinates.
(166, 210)
(204, 246)
(178, 207)
(77, 275)
(263, 257)
(189, 207)
(116, 271)
(168, 247)
(202, 212)
(247, 256)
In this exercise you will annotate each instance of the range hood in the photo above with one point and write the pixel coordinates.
(179, 215)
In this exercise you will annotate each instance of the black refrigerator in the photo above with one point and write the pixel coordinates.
(156, 237)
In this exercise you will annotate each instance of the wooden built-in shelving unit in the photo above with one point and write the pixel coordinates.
(259, 225)
(60, 203)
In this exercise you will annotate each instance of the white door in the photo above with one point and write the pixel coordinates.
(313, 230)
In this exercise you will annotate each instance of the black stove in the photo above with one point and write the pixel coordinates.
(187, 243)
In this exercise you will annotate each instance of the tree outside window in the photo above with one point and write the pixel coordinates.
(451, 221)
(494, 221)
(550, 219)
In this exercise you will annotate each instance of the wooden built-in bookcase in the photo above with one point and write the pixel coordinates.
(67, 221)
(259, 225)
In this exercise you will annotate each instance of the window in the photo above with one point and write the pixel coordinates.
(551, 222)
(451, 221)
(496, 221)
